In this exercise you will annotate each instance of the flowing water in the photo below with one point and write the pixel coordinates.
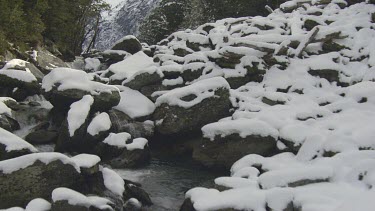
(167, 180)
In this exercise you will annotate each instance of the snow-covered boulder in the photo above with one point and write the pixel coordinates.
(121, 151)
(45, 60)
(12, 146)
(187, 109)
(7, 122)
(63, 86)
(135, 104)
(17, 80)
(135, 71)
(36, 176)
(39, 175)
(227, 141)
(67, 199)
(82, 130)
(129, 44)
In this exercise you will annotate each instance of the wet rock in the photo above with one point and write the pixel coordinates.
(131, 159)
(42, 137)
(123, 123)
(63, 99)
(137, 192)
(133, 205)
(8, 123)
(36, 181)
(129, 44)
(224, 151)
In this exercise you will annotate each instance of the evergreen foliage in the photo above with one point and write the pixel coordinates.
(63, 22)
(173, 15)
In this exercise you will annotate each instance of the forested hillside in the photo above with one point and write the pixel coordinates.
(28, 23)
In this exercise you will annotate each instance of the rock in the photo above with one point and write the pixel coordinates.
(310, 24)
(137, 192)
(8, 123)
(119, 153)
(12, 146)
(42, 137)
(123, 123)
(330, 75)
(20, 79)
(133, 205)
(224, 151)
(64, 86)
(143, 79)
(67, 199)
(131, 159)
(62, 100)
(180, 111)
(46, 61)
(35, 178)
(227, 141)
(228, 60)
(187, 205)
(129, 44)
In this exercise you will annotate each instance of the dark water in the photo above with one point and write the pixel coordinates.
(167, 180)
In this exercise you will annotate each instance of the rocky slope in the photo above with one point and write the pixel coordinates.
(285, 102)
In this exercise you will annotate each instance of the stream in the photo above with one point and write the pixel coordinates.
(167, 180)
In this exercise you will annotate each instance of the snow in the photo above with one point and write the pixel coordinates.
(325, 124)
(19, 75)
(134, 104)
(78, 113)
(131, 66)
(12, 165)
(66, 78)
(113, 181)
(76, 198)
(202, 89)
(99, 123)
(86, 160)
(92, 64)
(242, 127)
(4, 109)
(38, 205)
(119, 140)
(12, 142)
(138, 143)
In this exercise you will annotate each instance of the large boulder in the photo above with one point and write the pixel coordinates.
(129, 44)
(120, 151)
(36, 176)
(16, 80)
(63, 86)
(12, 146)
(185, 110)
(227, 141)
(134, 71)
(45, 60)
(68, 199)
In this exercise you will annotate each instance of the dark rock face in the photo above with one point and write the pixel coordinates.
(4, 154)
(41, 137)
(178, 120)
(36, 181)
(63, 99)
(131, 159)
(137, 192)
(8, 123)
(143, 80)
(330, 75)
(123, 123)
(224, 151)
(129, 44)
